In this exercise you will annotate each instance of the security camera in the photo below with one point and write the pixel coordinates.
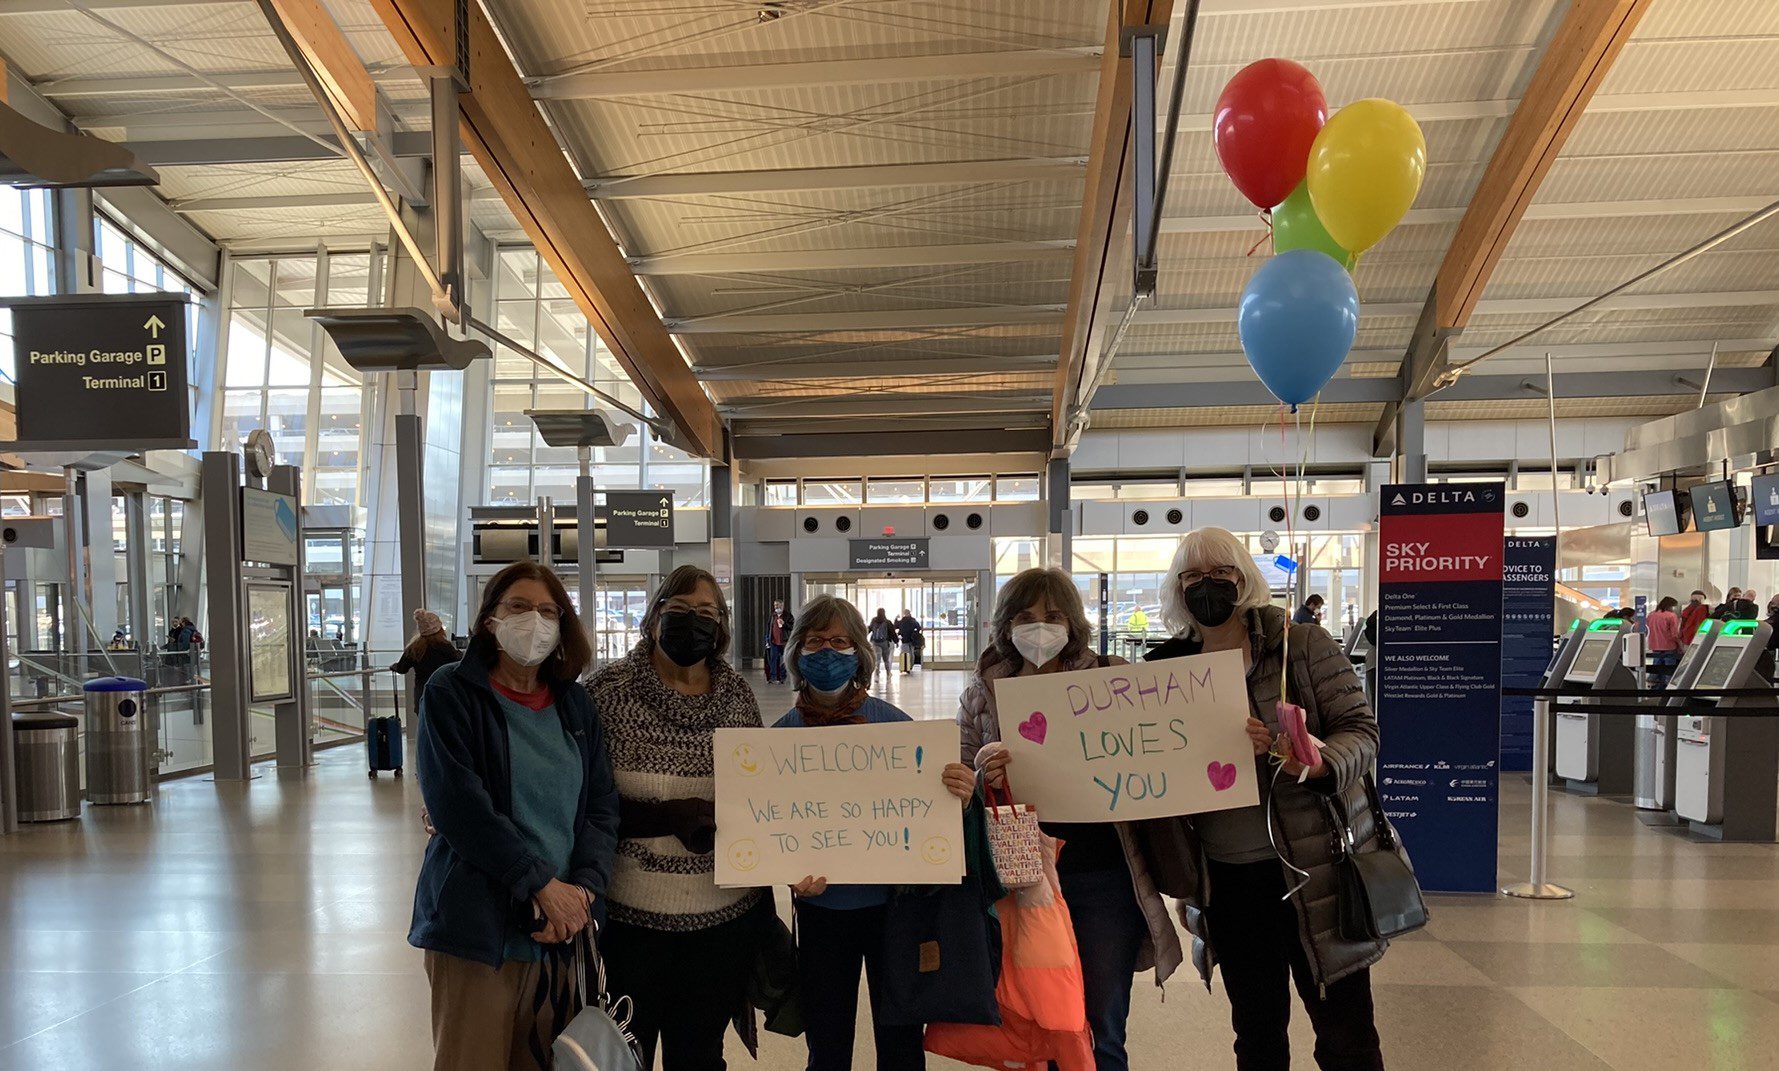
(37, 533)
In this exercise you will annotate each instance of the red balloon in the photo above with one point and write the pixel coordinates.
(1266, 119)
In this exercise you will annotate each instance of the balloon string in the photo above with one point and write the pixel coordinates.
(1266, 219)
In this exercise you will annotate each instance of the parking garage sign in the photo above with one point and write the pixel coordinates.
(101, 371)
(638, 519)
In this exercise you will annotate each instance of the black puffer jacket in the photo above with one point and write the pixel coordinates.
(1322, 681)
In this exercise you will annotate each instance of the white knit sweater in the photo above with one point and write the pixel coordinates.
(661, 746)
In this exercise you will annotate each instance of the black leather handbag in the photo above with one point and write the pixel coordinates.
(1378, 894)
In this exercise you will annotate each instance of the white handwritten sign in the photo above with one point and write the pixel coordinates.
(856, 804)
(1120, 743)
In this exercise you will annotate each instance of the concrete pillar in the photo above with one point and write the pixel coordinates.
(1411, 443)
(1060, 527)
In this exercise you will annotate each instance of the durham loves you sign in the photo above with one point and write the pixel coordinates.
(855, 804)
(1119, 743)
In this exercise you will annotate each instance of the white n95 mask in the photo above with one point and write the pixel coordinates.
(527, 638)
(1040, 642)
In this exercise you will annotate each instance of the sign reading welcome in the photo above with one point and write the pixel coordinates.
(854, 804)
(1148, 740)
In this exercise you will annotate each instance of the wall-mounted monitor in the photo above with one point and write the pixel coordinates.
(1764, 497)
(1714, 506)
(1664, 512)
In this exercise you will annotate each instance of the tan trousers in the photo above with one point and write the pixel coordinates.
(482, 1018)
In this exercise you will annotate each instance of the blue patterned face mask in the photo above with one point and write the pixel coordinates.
(828, 670)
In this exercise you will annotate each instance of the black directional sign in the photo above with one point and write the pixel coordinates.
(101, 371)
(887, 553)
(638, 519)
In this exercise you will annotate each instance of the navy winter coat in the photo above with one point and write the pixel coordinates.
(478, 877)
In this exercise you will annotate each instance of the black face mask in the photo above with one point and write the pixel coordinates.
(688, 638)
(1211, 601)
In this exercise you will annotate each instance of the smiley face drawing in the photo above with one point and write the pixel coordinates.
(936, 850)
(744, 855)
(747, 761)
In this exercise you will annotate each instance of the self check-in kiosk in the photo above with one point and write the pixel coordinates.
(1725, 767)
(1656, 732)
(1595, 751)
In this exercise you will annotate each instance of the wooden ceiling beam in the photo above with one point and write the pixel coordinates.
(335, 61)
(508, 137)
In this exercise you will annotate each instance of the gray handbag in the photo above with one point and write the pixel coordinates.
(598, 1038)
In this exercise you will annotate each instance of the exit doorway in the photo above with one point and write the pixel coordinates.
(947, 605)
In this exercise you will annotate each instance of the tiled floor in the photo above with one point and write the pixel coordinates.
(262, 926)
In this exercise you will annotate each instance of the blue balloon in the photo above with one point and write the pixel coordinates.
(1297, 321)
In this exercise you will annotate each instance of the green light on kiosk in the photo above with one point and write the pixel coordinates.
(1607, 624)
(1740, 628)
(1704, 627)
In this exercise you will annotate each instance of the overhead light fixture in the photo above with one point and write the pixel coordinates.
(34, 156)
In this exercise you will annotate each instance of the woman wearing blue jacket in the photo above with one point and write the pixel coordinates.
(515, 774)
(841, 927)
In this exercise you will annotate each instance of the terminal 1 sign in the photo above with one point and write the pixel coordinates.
(101, 372)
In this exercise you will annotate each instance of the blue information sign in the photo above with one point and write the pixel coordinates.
(1528, 624)
(1439, 676)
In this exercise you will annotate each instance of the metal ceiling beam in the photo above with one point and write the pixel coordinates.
(722, 77)
(339, 199)
(1469, 389)
(1680, 206)
(1163, 361)
(1281, 7)
(800, 179)
(790, 323)
(911, 256)
(1570, 70)
(1101, 224)
(506, 133)
(60, 7)
(1498, 306)
(82, 87)
(755, 446)
(283, 149)
(852, 405)
(875, 367)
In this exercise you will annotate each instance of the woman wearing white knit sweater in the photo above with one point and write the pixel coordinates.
(677, 945)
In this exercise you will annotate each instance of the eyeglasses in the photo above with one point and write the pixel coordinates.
(813, 644)
(549, 611)
(709, 613)
(1190, 577)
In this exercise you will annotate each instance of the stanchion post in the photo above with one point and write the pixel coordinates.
(1539, 888)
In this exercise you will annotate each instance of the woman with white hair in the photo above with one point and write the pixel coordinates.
(1262, 895)
(1121, 922)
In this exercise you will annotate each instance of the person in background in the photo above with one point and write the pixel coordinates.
(680, 947)
(1740, 606)
(1664, 639)
(840, 927)
(429, 651)
(1121, 922)
(883, 641)
(1721, 610)
(1244, 917)
(1693, 615)
(1773, 620)
(517, 782)
(181, 635)
(778, 626)
(1310, 613)
(908, 631)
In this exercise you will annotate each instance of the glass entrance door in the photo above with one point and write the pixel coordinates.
(948, 608)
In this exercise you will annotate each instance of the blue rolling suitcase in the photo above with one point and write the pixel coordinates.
(383, 739)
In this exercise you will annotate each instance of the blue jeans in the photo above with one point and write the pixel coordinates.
(1110, 930)
(774, 662)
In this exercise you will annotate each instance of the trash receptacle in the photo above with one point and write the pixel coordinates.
(119, 745)
(46, 754)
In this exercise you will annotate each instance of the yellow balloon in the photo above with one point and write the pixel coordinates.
(1366, 165)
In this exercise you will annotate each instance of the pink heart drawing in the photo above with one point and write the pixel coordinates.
(1222, 775)
(1035, 727)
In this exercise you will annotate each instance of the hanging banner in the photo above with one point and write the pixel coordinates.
(1147, 740)
(1528, 625)
(1439, 676)
(850, 803)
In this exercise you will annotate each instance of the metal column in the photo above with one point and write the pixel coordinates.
(9, 804)
(1061, 528)
(410, 511)
(1411, 442)
(586, 548)
(73, 634)
(137, 539)
(292, 731)
(231, 734)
